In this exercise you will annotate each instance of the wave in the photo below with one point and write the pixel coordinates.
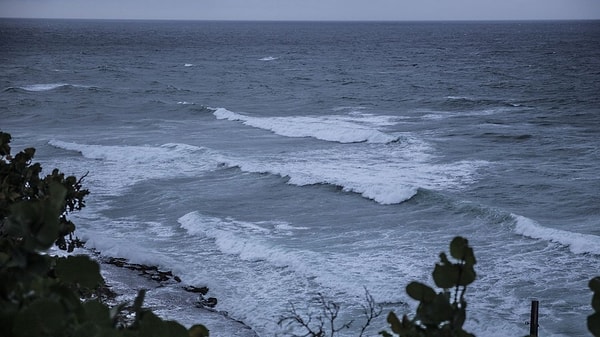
(268, 58)
(578, 243)
(480, 101)
(355, 128)
(385, 175)
(122, 166)
(252, 241)
(350, 179)
(248, 240)
(47, 87)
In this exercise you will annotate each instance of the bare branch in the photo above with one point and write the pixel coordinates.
(325, 324)
(371, 311)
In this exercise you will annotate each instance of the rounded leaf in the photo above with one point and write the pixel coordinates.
(460, 250)
(394, 322)
(596, 302)
(467, 276)
(420, 292)
(198, 330)
(595, 284)
(593, 323)
(446, 275)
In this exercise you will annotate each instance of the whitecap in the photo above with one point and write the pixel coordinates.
(43, 87)
(50, 86)
(355, 128)
(408, 169)
(119, 167)
(268, 58)
(578, 243)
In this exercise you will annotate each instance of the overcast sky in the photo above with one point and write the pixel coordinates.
(305, 9)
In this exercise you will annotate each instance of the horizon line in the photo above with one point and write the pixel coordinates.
(299, 20)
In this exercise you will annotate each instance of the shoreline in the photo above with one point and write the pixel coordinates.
(167, 297)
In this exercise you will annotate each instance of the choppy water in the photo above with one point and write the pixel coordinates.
(274, 161)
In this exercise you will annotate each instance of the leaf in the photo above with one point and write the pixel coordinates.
(594, 284)
(198, 330)
(37, 221)
(435, 312)
(445, 276)
(593, 323)
(420, 292)
(394, 322)
(596, 301)
(79, 269)
(139, 301)
(467, 276)
(115, 311)
(460, 250)
(5, 144)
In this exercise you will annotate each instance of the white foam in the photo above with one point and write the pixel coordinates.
(268, 58)
(43, 87)
(355, 128)
(188, 65)
(395, 179)
(123, 166)
(342, 270)
(578, 243)
(235, 237)
(50, 86)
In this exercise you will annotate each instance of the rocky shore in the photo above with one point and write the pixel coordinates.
(168, 297)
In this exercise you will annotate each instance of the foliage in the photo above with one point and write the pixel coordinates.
(593, 321)
(42, 295)
(440, 314)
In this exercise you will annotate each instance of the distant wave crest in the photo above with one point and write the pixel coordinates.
(46, 87)
(354, 128)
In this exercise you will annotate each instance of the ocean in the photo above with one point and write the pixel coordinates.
(276, 161)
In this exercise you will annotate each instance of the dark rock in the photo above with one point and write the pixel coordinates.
(192, 289)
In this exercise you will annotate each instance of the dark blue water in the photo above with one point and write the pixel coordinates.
(273, 161)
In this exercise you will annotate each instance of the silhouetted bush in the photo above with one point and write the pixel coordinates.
(43, 295)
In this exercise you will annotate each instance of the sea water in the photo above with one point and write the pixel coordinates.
(276, 161)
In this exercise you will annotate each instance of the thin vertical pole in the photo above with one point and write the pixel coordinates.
(533, 323)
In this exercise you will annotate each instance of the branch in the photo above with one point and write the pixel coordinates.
(370, 310)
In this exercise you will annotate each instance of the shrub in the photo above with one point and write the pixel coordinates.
(440, 314)
(43, 295)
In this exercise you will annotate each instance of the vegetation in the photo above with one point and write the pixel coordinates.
(324, 323)
(593, 321)
(42, 295)
(440, 314)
